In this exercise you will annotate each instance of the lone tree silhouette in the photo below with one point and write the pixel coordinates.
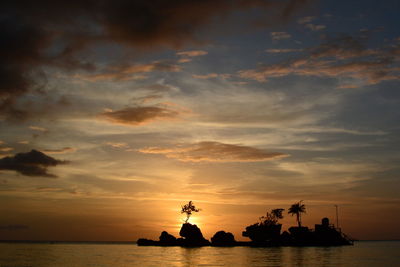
(188, 209)
(297, 208)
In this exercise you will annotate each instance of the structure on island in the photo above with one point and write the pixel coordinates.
(265, 233)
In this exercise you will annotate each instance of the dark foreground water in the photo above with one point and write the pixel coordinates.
(364, 253)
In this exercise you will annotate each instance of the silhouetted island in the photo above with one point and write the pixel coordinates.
(266, 233)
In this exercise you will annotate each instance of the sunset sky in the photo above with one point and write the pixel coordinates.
(113, 114)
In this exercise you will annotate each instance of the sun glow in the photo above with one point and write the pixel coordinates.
(193, 220)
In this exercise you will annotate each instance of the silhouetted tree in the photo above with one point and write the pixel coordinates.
(272, 218)
(188, 209)
(277, 213)
(267, 229)
(297, 208)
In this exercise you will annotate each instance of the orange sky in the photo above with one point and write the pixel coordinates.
(113, 114)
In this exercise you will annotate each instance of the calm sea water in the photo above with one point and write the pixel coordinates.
(364, 253)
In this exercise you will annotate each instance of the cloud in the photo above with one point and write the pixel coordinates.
(37, 128)
(192, 53)
(184, 60)
(371, 72)
(212, 75)
(283, 50)
(135, 116)
(348, 86)
(205, 76)
(214, 152)
(59, 151)
(33, 163)
(130, 72)
(187, 55)
(305, 20)
(6, 149)
(342, 47)
(117, 145)
(160, 88)
(42, 34)
(280, 35)
(146, 99)
(315, 27)
(343, 57)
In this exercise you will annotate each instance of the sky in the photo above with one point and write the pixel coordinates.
(114, 114)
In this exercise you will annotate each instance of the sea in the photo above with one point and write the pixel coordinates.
(363, 253)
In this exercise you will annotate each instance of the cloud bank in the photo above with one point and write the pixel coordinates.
(56, 34)
(214, 152)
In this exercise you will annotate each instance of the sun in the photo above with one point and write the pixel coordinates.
(192, 220)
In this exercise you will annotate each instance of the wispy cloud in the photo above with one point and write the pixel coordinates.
(129, 72)
(59, 151)
(37, 128)
(280, 36)
(205, 76)
(214, 152)
(343, 57)
(6, 149)
(315, 27)
(186, 56)
(305, 20)
(192, 53)
(117, 144)
(282, 50)
(212, 75)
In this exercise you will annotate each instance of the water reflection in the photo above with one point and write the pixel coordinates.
(362, 254)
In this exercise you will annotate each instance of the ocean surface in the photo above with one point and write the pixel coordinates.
(363, 253)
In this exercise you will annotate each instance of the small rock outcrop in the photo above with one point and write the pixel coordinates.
(223, 239)
(262, 232)
(192, 236)
(167, 239)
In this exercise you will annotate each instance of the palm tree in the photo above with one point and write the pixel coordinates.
(297, 208)
(188, 209)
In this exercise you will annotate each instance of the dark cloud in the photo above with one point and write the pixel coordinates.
(214, 152)
(34, 34)
(140, 115)
(20, 44)
(33, 163)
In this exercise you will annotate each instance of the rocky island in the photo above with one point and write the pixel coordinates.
(266, 233)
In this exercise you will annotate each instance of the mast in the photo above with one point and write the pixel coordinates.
(337, 216)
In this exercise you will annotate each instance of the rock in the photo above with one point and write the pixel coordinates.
(146, 242)
(301, 236)
(263, 233)
(167, 239)
(222, 239)
(192, 235)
